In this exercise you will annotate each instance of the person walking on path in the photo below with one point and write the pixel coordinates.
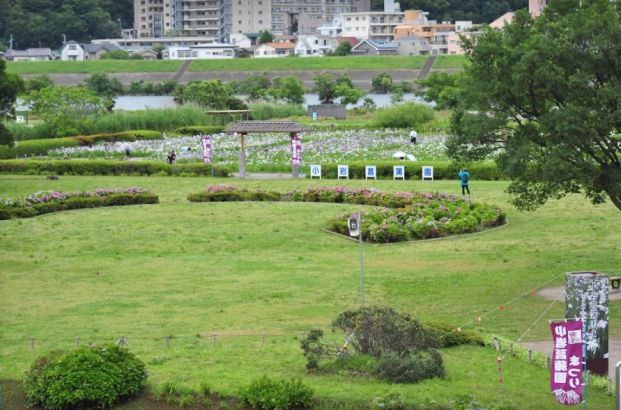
(464, 176)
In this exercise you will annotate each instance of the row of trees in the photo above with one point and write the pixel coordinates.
(35, 23)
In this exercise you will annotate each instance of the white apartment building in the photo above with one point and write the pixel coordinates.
(154, 18)
(201, 51)
(306, 16)
(245, 16)
(375, 25)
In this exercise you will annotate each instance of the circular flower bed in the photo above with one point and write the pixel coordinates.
(400, 216)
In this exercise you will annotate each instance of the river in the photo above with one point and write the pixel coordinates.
(138, 102)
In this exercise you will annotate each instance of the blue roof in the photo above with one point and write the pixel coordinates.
(381, 44)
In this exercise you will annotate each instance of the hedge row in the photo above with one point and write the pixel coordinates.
(41, 147)
(79, 202)
(109, 167)
(200, 129)
(484, 171)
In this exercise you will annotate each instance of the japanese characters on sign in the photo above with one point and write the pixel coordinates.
(567, 361)
(315, 171)
(343, 171)
(427, 172)
(398, 172)
(207, 149)
(370, 172)
(296, 149)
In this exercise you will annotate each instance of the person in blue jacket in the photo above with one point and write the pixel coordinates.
(464, 176)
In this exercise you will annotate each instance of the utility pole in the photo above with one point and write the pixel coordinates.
(11, 43)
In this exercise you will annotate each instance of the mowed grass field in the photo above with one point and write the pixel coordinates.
(239, 64)
(91, 67)
(241, 270)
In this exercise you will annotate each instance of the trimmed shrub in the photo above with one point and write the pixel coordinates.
(6, 137)
(108, 167)
(200, 129)
(421, 365)
(86, 377)
(277, 394)
(48, 202)
(450, 337)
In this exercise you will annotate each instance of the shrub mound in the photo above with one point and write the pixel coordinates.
(110, 167)
(403, 216)
(37, 147)
(87, 377)
(199, 129)
(399, 348)
(53, 201)
(277, 394)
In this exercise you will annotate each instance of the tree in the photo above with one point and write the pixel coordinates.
(119, 55)
(343, 49)
(159, 49)
(545, 96)
(397, 96)
(38, 83)
(289, 89)
(10, 86)
(210, 93)
(325, 86)
(6, 138)
(103, 85)
(266, 37)
(443, 88)
(68, 110)
(349, 95)
(255, 86)
(381, 83)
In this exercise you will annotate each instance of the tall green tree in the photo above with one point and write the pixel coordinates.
(290, 89)
(68, 110)
(266, 37)
(210, 94)
(443, 88)
(544, 97)
(10, 86)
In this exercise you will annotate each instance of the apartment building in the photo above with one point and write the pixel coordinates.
(375, 25)
(159, 18)
(306, 16)
(154, 18)
(245, 16)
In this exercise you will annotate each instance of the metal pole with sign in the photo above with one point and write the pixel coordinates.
(618, 382)
(355, 230)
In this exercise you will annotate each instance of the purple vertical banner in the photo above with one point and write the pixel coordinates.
(567, 362)
(206, 140)
(296, 150)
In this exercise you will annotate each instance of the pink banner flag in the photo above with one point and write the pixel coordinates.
(567, 362)
(296, 150)
(206, 149)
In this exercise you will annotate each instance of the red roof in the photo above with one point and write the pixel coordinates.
(351, 40)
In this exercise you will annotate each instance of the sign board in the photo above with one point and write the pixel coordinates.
(398, 172)
(315, 171)
(20, 119)
(427, 173)
(370, 172)
(353, 223)
(566, 368)
(587, 299)
(314, 115)
(207, 149)
(342, 171)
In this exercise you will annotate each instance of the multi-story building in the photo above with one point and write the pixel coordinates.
(245, 16)
(154, 18)
(306, 16)
(159, 18)
(376, 25)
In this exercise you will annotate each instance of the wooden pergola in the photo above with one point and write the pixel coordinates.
(243, 128)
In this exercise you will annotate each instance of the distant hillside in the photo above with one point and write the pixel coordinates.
(478, 11)
(35, 23)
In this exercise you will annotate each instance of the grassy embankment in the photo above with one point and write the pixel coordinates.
(242, 64)
(240, 270)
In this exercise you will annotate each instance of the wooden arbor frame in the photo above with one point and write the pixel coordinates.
(243, 128)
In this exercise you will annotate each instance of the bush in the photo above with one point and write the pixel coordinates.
(6, 137)
(86, 377)
(200, 129)
(408, 115)
(267, 111)
(421, 365)
(449, 336)
(108, 167)
(266, 393)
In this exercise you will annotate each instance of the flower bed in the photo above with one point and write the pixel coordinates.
(401, 216)
(53, 201)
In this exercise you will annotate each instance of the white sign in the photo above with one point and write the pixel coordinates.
(353, 223)
(427, 173)
(370, 172)
(343, 171)
(398, 172)
(20, 119)
(315, 171)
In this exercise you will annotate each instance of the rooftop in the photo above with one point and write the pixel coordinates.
(251, 127)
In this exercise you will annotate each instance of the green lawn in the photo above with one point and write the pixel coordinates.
(240, 270)
(90, 67)
(457, 62)
(311, 63)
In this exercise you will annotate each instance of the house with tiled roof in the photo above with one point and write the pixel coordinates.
(375, 47)
(279, 49)
(31, 54)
